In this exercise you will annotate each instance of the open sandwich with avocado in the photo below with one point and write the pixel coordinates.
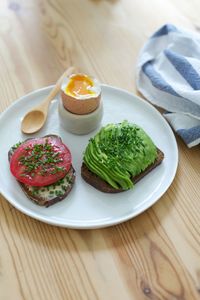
(118, 156)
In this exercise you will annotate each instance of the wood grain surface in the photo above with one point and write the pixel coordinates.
(153, 256)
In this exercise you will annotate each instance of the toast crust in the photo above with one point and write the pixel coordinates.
(103, 186)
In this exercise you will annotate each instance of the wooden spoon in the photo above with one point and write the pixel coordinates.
(34, 120)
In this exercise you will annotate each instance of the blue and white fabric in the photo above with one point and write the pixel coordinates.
(168, 75)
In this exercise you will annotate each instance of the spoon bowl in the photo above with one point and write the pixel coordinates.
(34, 120)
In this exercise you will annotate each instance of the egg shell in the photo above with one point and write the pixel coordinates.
(80, 106)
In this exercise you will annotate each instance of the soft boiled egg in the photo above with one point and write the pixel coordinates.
(81, 94)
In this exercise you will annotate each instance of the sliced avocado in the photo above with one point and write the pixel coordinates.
(119, 152)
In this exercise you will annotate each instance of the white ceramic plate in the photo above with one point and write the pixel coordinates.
(86, 207)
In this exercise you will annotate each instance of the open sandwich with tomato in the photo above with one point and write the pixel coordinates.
(43, 168)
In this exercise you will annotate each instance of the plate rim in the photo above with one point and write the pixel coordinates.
(93, 224)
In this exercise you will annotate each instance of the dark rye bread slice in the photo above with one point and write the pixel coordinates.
(103, 186)
(51, 194)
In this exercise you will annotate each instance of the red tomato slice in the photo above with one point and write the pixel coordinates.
(41, 161)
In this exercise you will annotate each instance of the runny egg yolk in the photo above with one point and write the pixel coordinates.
(80, 85)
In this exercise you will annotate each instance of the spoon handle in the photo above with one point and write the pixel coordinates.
(57, 87)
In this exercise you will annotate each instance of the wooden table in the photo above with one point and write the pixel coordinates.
(153, 256)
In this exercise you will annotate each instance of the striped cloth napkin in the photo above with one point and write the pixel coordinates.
(168, 75)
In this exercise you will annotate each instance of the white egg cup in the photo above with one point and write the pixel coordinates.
(80, 124)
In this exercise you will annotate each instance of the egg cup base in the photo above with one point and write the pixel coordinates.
(80, 124)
